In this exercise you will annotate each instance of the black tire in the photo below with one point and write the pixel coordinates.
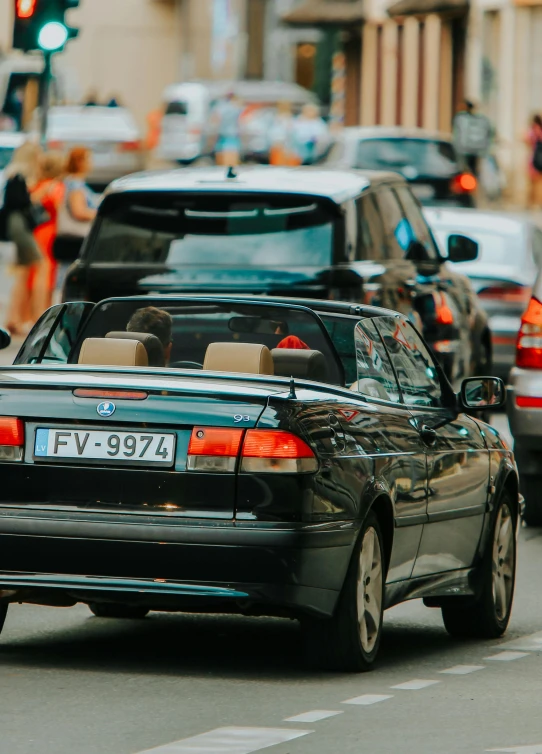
(337, 643)
(110, 610)
(531, 488)
(3, 613)
(487, 617)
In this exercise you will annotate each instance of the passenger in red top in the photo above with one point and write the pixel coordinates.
(292, 341)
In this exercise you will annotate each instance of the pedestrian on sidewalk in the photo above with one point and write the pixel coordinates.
(534, 140)
(49, 191)
(473, 133)
(228, 144)
(19, 219)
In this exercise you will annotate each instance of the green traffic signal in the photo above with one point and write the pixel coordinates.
(41, 25)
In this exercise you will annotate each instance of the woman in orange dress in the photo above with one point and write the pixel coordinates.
(49, 191)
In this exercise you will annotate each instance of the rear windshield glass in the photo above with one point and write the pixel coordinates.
(424, 156)
(221, 231)
(191, 326)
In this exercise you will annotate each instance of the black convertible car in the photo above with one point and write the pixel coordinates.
(267, 457)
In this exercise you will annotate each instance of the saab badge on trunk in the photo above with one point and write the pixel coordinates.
(106, 409)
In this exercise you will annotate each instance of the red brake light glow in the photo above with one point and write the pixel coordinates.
(126, 395)
(528, 401)
(529, 343)
(272, 443)
(464, 183)
(11, 431)
(129, 146)
(208, 441)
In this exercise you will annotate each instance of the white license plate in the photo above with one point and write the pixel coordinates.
(143, 448)
(422, 191)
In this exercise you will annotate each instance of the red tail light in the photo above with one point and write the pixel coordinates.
(528, 401)
(212, 449)
(11, 438)
(464, 183)
(529, 343)
(513, 294)
(275, 450)
(129, 146)
(56, 145)
(443, 313)
(263, 450)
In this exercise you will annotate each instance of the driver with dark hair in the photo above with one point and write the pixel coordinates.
(155, 321)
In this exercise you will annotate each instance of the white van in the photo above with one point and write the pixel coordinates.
(187, 126)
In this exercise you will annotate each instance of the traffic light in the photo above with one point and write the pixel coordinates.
(40, 25)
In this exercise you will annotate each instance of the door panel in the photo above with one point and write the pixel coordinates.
(383, 431)
(457, 460)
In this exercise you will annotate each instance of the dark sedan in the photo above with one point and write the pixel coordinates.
(304, 459)
(426, 159)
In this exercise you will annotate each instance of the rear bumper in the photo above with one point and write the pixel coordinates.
(262, 569)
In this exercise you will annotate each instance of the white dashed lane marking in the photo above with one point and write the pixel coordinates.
(507, 656)
(230, 741)
(313, 716)
(415, 685)
(367, 699)
(462, 669)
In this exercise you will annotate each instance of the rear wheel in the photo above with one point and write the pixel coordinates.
(488, 616)
(350, 639)
(109, 610)
(531, 487)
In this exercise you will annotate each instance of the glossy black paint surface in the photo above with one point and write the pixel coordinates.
(277, 543)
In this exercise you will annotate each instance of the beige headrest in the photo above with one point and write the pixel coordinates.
(113, 352)
(247, 358)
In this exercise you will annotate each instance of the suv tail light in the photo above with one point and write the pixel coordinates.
(129, 146)
(464, 183)
(11, 439)
(511, 293)
(259, 450)
(529, 343)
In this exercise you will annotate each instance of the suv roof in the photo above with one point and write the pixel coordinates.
(338, 185)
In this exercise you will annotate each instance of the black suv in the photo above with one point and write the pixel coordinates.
(331, 234)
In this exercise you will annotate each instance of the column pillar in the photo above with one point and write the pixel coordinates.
(445, 114)
(431, 72)
(369, 63)
(410, 72)
(389, 73)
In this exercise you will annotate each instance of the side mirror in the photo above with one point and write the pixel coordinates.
(5, 338)
(478, 393)
(461, 248)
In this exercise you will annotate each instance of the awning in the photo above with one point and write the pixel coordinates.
(326, 12)
(424, 7)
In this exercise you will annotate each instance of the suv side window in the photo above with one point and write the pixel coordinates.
(397, 231)
(414, 366)
(371, 231)
(376, 378)
(420, 229)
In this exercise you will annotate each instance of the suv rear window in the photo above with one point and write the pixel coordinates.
(213, 230)
(425, 156)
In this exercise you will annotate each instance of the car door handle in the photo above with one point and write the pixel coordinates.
(428, 435)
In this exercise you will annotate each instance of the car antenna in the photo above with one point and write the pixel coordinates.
(291, 395)
(231, 172)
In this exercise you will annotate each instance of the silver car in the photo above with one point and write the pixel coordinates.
(110, 132)
(510, 252)
(525, 406)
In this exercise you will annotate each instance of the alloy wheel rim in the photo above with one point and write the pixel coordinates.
(369, 592)
(503, 562)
